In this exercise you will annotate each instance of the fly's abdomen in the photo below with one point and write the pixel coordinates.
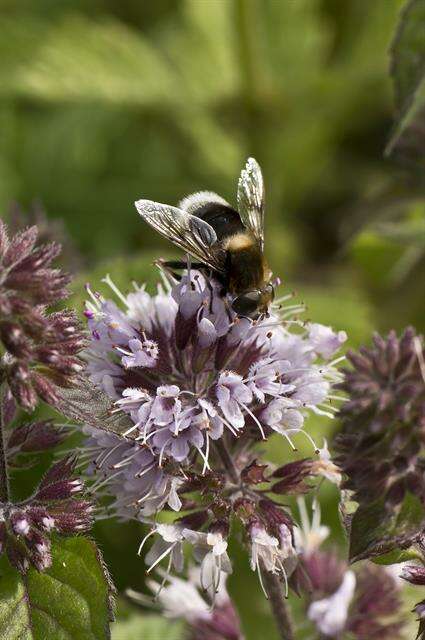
(244, 263)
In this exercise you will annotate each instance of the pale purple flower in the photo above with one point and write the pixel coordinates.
(129, 473)
(325, 341)
(185, 368)
(233, 395)
(141, 353)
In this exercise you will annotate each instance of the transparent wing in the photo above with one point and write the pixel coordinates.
(251, 199)
(188, 232)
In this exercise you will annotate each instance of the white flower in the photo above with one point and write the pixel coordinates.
(310, 536)
(180, 599)
(330, 614)
(264, 549)
(211, 550)
(286, 546)
(325, 467)
(207, 616)
(168, 544)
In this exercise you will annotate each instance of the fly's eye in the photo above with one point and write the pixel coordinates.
(247, 303)
(269, 290)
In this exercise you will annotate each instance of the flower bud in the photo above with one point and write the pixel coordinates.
(254, 473)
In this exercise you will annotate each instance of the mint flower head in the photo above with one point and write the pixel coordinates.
(186, 369)
(39, 350)
(201, 386)
(381, 446)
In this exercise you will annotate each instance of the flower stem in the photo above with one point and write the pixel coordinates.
(227, 461)
(4, 475)
(273, 589)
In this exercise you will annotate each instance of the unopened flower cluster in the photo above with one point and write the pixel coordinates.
(40, 349)
(199, 382)
(382, 443)
(57, 506)
(38, 353)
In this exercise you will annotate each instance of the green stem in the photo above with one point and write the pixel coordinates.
(280, 612)
(4, 475)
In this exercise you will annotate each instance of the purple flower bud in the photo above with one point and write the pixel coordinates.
(274, 516)
(254, 473)
(14, 339)
(19, 247)
(413, 573)
(57, 474)
(293, 475)
(377, 607)
(32, 437)
(73, 516)
(19, 379)
(18, 555)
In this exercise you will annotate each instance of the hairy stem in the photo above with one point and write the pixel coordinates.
(280, 612)
(227, 461)
(4, 475)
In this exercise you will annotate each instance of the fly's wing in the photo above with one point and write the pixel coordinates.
(251, 199)
(188, 232)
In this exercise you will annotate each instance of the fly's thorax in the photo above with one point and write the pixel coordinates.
(225, 221)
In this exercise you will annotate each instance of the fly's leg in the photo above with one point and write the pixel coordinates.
(210, 289)
(228, 307)
(170, 267)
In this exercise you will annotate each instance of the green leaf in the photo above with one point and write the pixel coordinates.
(376, 532)
(396, 556)
(411, 517)
(70, 601)
(408, 72)
(368, 526)
(408, 139)
(408, 53)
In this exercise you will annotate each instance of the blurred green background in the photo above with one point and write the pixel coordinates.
(106, 101)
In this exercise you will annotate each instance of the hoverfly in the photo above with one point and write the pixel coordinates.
(229, 243)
